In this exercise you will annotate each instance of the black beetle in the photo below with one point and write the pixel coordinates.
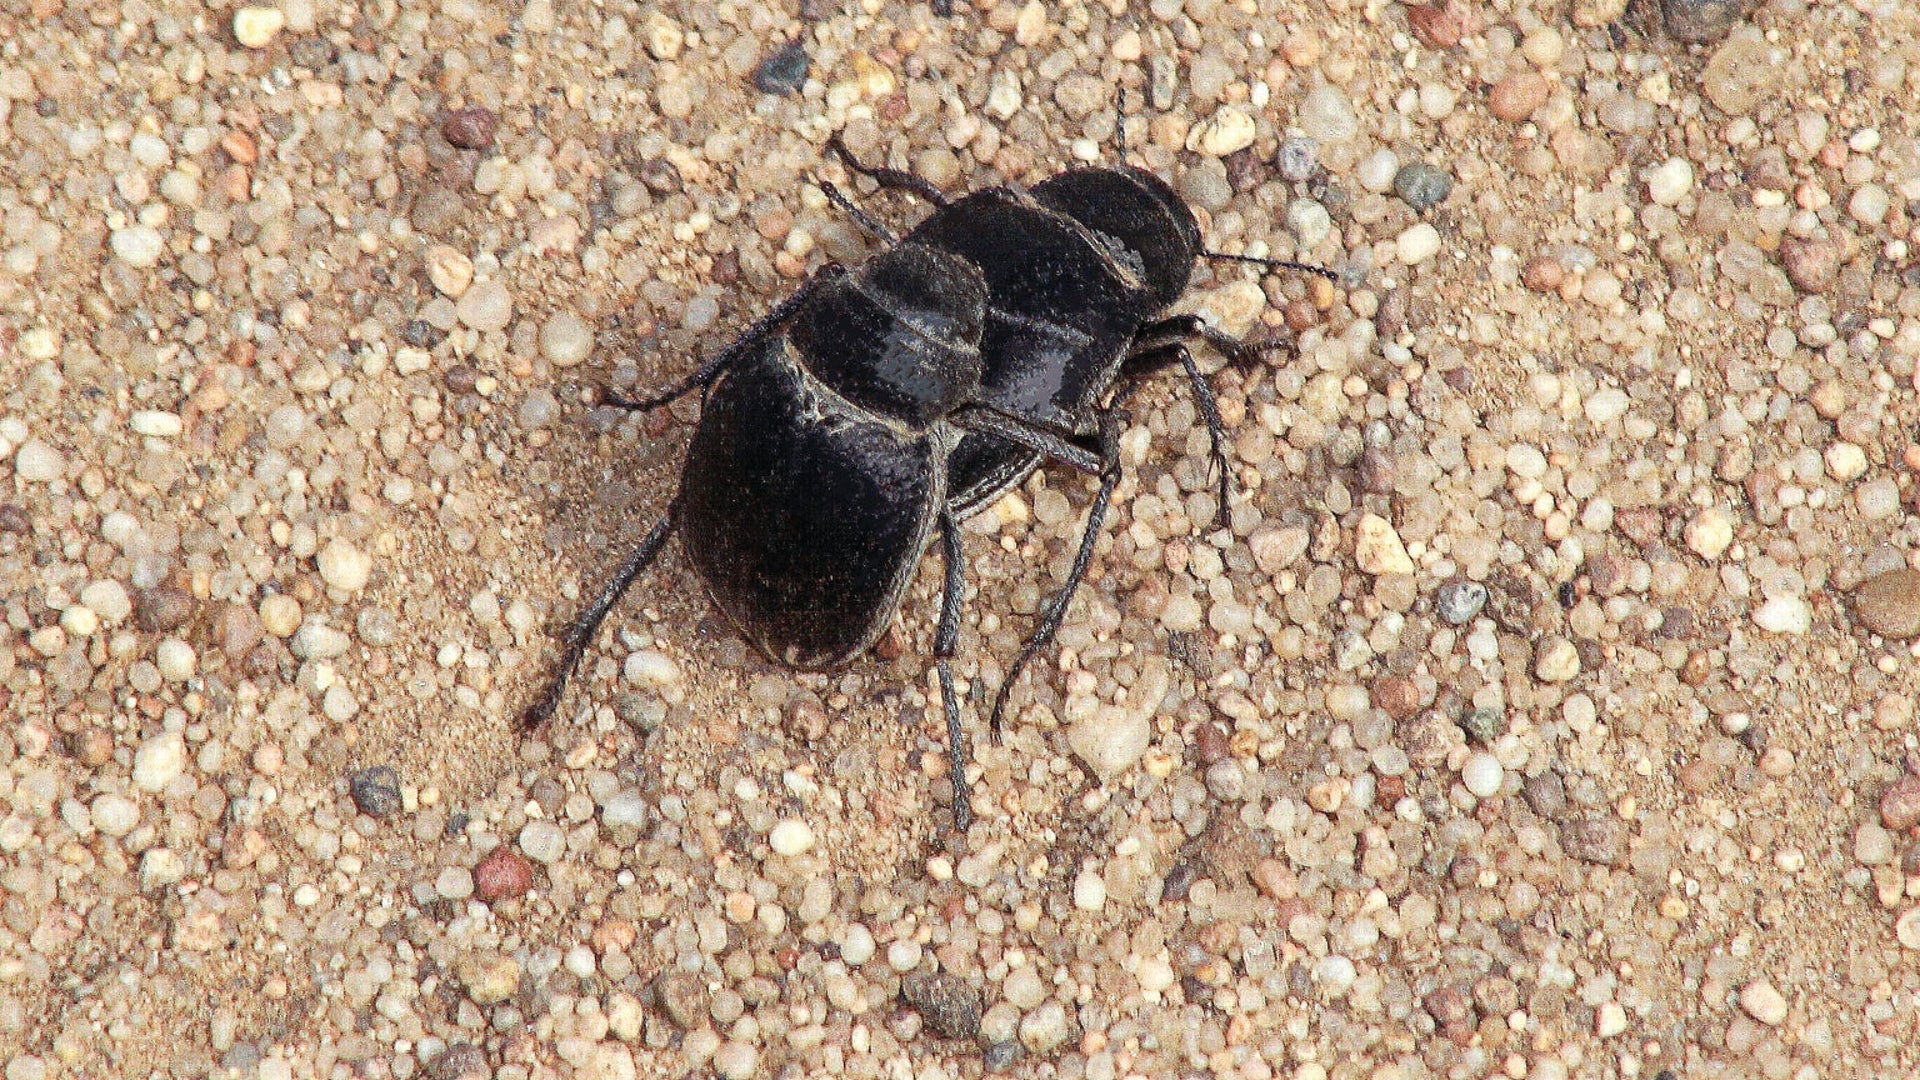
(876, 406)
(1078, 271)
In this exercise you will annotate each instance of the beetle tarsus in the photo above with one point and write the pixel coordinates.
(1273, 264)
(898, 179)
(711, 369)
(588, 624)
(867, 222)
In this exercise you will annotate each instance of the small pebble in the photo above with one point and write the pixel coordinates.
(502, 875)
(256, 27)
(1422, 186)
(1517, 96)
(1764, 1003)
(1900, 804)
(37, 462)
(1482, 775)
(1297, 160)
(1710, 533)
(1110, 741)
(1044, 1028)
(736, 1060)
(1813, 266)
(114, 815)
(1377, 548)
(566, 340)
(471, 128)
(790, 837)
(1888, 604)
(175, 659)
(949, 1004)
(486, 307)
(489, 979)
(1227, 130)
(1417, 244)
(543, 842)
(784, 71)
(375, 791)
(1089, 891)
(1670, 181)
(1458, 601)
(1906, 929)
(1784, 615)
(159, 760)
(344, 566)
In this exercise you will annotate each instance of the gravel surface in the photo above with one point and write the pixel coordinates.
(1544, 705)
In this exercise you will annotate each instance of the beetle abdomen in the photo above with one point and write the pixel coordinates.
(804, 515)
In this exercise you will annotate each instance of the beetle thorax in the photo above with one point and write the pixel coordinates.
(900, 337)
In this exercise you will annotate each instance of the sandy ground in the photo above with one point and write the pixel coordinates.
(1543, 707)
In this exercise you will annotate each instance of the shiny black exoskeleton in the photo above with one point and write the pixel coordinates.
(1079, 271)
(880, 406)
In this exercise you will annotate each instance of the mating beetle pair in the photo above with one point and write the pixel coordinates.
(881, 405)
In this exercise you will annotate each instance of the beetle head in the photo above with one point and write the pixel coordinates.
(901, 335)
(1143, 224)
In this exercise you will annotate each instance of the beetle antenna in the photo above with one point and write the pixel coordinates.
(1273, 264)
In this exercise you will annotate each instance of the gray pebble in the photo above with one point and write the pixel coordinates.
(1699, 21)
(784, 72)
(1485, 725)
(1422, 186)
(376, 791)
(1459, 600)
(949, 1004)
(1298, 159)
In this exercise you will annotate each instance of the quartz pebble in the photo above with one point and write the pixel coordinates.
(790, 837)
(255, 27)
(344, 566)
(159, 761)
(1764, 1003)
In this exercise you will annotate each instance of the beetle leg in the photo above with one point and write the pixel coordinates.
(889, 178)
(588, 624)
(1155, 357)
(1154, 337)
(1274, 264)
(1046, 442)
(725, 358)
(946, 642)
(1113, 421)
(860, 217)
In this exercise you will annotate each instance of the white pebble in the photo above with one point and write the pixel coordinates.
(566, 339)
(159, 760)
(485, 307)
(137, 245)
(161, 867)
(1483, 775)
(1710, 533)
(1378, 549)
(1670, 182)
(155, 423)
(114, 815)
(1846, 462)
(1089, 891)
(1418, 244)
(1784, 615)
(79, 620)
(37, 462)
(345, 567)
(175, 659)
(1223, 133)
(1110, 740)
(791, 837)
(107, 599)
(256, 27)
(903, 955)
(650, 669)
(856, 946)
(1763, 1002)
(543, 841)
